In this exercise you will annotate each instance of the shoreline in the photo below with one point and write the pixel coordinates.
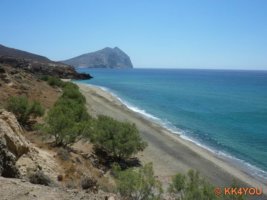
(169, 152)
(245, 166)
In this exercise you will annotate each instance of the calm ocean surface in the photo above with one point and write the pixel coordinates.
(224, 111)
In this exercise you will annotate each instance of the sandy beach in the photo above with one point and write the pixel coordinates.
(168, 152)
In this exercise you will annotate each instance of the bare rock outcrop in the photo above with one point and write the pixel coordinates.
(18, 156)
(39, 159)
(12, 132)
(12, 144)
(7, 162)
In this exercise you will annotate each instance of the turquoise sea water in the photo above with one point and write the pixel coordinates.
(224, 111)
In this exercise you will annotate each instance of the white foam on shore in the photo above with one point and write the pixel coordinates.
(252, 170)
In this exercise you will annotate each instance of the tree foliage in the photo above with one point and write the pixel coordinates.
(119, 139)
(53, 81)
(191, 187)
(24, 109)
(68, 119)
(138, 184)
(71, 91)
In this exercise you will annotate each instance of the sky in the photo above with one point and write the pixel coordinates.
(217, 34)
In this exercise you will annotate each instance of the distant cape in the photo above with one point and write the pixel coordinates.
(105, 58)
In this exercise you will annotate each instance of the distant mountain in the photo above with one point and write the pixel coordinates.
(38, 65)
(105, 58)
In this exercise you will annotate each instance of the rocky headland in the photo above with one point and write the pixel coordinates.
(105, 58)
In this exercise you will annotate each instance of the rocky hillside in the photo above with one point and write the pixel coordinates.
(15, 81)
(105, 58)
(37, 64)
(31, 165)
(32, 168)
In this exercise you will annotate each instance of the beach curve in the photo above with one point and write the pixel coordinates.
(168, 152)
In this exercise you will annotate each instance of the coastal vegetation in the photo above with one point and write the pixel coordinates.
(138, 184)
(68, 121)
(191, 186)
(119, 139)
(52, 81)
(24, 109)
(68, 118)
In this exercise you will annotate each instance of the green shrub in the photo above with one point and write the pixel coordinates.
(68, 119)
(53, 81)
(88, 183)
(23, 109)
(77, 110)
(36, 109)
(62, 123)
(191, 187)
(71, 91)
(40, 178)
(70, 85)
(119, 139)
(44, 78)
(138, 184)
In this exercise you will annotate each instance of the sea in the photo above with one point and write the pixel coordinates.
(224, 111)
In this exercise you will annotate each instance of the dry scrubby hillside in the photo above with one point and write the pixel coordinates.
(16, 81)
(27, 154)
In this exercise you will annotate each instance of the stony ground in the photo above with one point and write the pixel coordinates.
(17, 189)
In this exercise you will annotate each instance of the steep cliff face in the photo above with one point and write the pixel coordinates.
(105, 58)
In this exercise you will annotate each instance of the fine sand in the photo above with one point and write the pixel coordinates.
(168, 152)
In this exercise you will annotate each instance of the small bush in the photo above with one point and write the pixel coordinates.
(44, 78)
(40, 178)
(63, 154)
(53, 81)
(23, 109)
(192, 187)
(71, 91)
(138, 184)
(87, 183)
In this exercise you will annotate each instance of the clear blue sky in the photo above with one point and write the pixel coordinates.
(154, 33)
